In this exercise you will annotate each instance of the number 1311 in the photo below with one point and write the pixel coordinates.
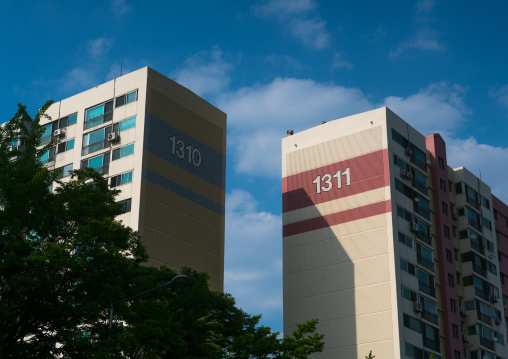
(325, 183)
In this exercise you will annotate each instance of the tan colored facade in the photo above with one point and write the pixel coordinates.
(167, 157)
(392, 250)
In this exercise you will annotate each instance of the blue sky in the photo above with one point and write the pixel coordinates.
(272, 65)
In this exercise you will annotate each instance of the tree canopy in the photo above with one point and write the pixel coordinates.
(65, 262)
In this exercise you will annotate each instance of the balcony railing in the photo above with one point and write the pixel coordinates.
(104, 169)
(481, 294)
(487, 343)
(480, 270)
(425, 262)
(474, 224)
(46, 139)
(422, 165)
(487, 319)
(477, 247)
(422, 212)
(472, 202)
(432, 344)
(420, 187)
(98, 120)
(430, 317)
(424, 237)
(94, 147)
(425, 288)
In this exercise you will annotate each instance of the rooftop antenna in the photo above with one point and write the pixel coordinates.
(121, 64)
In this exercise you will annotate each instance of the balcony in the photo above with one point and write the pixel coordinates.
(97, 146)
(478, 247)
(480, 270)
(420, 187)
(487, 342)
(481, 294)
(473, 223)
(473, 203)
(432, 344)
(420, 164)
(424, 237)
(487, 319)
(425, 288)
(98, 120)
(425, 262)
(430, 317)
(104, 169)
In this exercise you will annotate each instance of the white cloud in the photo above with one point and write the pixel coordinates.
(299, 17)
(78, 79)
(437, 108)
(205, 73)
(339, 62)
(253, 255)
(424, 39)
(120, 7)
(260, 116)
(501, 95)
(98, 47)
(476, 157)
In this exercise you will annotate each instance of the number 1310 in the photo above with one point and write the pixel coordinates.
(325, 183)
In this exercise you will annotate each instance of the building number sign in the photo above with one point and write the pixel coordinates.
(191, 154)
(326, 182)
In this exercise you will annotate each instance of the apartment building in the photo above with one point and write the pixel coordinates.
(165, 148)
(391, 249)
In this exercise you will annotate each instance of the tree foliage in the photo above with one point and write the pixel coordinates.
(65, 262)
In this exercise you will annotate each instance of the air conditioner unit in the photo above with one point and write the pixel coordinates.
(59, 132)
(113, 136)
(463, 311)
(414, 227)
(417, 307)
(465, 338)
(473, 236)
(493, 298)
(491, 255)
(429, 162)
(403, 172)
(408, 151)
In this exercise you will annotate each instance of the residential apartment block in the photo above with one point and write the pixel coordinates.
(164, 148)
(391, 249)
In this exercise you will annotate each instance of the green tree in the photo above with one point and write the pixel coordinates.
(64, 260)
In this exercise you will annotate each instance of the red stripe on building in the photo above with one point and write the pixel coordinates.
(367, 172)
(333, 219)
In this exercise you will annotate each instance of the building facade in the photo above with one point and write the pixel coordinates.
(391, 249)
(164, 147)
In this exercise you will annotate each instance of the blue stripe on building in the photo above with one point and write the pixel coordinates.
(157, 141)
(182, 191)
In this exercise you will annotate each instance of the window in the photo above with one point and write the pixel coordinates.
(407, 266)
(409, 294)
(448, 256)
(406, 240)
(66, 171)
(457, 354)
(450, 280)
(127, 98)
(453, 306)
(96, 140)
(126, 204)
(67, 120)
(397, 137)
(413, 352)
(65, 146)
(441, 163)
(486, 223)
(128, 123)
(47, 156)
(444, 208)
(99, 163)
(443, 185)
(455, 331)
(123, 151)
(424, 256)
(426, 282)
(99, 114)
(446, 232)
(495, 215)
(412, 323)
(120, 179)
(485, 202)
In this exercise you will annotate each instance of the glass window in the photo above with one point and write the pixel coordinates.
(444, 208)
(397, 137)
(67, 120)
(126, 205)
(450, 280)
(98, 114)
(128, 123)
(66, 171)
(123, 151)
(448, 256)
(446, 232)
(441, 163)
(443, 185)
(121, 179)
(412, 323)
(127, 98)
(453, 306)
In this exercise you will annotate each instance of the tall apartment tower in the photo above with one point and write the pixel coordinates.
(391, 249)
(165, 148)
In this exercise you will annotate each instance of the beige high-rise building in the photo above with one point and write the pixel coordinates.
(391, 249)
(164, 147)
